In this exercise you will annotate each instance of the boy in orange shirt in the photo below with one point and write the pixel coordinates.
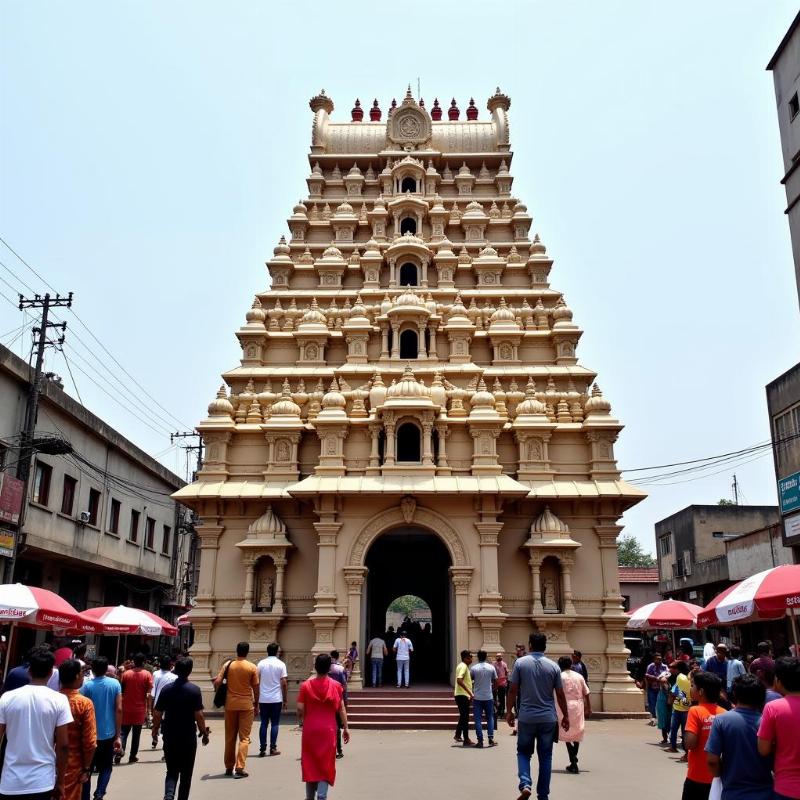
(706, 688)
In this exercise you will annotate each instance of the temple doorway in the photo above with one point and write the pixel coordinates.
(409, 572)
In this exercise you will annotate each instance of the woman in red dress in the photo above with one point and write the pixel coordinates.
(318, 706)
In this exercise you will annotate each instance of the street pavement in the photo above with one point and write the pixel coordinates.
(617, 755)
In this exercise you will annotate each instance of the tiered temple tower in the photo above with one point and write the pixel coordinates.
(409, 416)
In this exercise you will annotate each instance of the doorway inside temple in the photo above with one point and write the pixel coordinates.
(408, 585)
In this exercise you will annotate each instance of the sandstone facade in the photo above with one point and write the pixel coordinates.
(409, 416)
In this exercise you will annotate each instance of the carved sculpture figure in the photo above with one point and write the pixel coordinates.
(266, 595)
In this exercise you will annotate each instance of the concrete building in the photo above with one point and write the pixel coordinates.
(638, 586)
(691, 548)
(409, 417)
(783, 394)
(101, 527)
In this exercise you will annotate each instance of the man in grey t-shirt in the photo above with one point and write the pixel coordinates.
(484, 678)
(536, 679)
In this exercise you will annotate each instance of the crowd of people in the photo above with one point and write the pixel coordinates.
(64, 720)
(738, 719)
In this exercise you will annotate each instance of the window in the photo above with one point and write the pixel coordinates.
(665, 544)
(41, 483)
(68, 495)
(787, 425)
(408, 275)
(94, 506)
(409, 347)
(408, 225)
(113, 518)
(150, 533)
(133, 535)
(408, 443)
(410, 185)
(794, 106)
(165, 539)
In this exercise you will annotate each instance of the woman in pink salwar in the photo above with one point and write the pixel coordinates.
(578, 708)
(319, 703)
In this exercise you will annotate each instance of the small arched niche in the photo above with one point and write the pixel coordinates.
(409, 443)
(409, 274)
(550, 577)
(408, 225)
(408, 185)
(409, 344)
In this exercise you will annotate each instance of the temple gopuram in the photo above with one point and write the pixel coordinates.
(409, 417)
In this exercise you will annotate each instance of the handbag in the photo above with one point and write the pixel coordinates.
(221, 694)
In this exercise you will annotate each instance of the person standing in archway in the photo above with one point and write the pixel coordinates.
(377, 652)
(484, 679)
(403, 650)
(463, 695)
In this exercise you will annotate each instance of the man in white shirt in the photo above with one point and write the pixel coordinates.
(162, 677)
(273, 685)
(403, 650)
(376, 649)
(34, 720)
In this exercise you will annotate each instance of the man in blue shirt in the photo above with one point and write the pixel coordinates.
(484, 679)
(718, 665)
(732, 747)
(106, 696)
(536, 678)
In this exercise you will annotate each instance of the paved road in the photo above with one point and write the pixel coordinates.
(618, 755)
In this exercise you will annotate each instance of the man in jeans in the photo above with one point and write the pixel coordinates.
(377, 652)
(180, 706)
(403, 650)
(273, 685)
(106, 696)
(535, 678)
(484, 679)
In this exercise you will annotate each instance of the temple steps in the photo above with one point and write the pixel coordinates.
(402, 709)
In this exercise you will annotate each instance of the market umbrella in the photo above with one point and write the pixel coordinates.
(124, 620)
(34, 608)
(674, 614)
(183, 620)
(121, 619)
(766, 595)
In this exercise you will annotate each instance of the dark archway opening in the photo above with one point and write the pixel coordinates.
(408, 443)
(409, 344)
(409, 275)
(411, 561)
(408, 185)
(408, 225)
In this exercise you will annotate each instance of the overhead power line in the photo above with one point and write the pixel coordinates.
(96, 339)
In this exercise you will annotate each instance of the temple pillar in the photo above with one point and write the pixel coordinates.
(443, 468)
(395, 340)
(537, 610)
(432, 349)
(249, 583)
(424, 269)
(354, 578)
(280, 571)
(325, 614)
(374, 455)
(390, 443)
(490, 616)
(203, 614)
(427, 443)
(566, 584)
(461, 578)
(384, 341)
(421, 352)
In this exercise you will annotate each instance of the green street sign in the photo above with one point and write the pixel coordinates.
(789, 493)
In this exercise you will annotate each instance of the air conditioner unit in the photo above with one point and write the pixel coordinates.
(84, 517)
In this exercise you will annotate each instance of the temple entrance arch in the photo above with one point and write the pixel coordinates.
(364, 562)
(410, 560)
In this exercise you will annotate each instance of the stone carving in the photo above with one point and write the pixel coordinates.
(282, 451)
(408, 505)
(392, 518)
(266, 595)
(549, 601)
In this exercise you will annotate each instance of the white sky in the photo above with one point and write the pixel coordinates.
(152, 152)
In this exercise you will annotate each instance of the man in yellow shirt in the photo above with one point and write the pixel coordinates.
(463, 697)
(681, 701)
(241, 705)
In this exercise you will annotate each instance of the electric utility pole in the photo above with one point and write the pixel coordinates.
(735, 490)
(190, 447)
(41, 341)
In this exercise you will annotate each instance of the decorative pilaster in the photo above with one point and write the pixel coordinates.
(354, 578)
(462, 579)
(442, 467)
(490, 616)
(325, 614)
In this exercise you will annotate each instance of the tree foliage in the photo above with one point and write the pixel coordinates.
(631, 554)
(725, 502)
(406, 604)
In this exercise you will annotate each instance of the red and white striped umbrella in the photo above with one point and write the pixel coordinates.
(184, 620)
(665, 614)
(121, 619)
(766, 595)
(39, 608)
